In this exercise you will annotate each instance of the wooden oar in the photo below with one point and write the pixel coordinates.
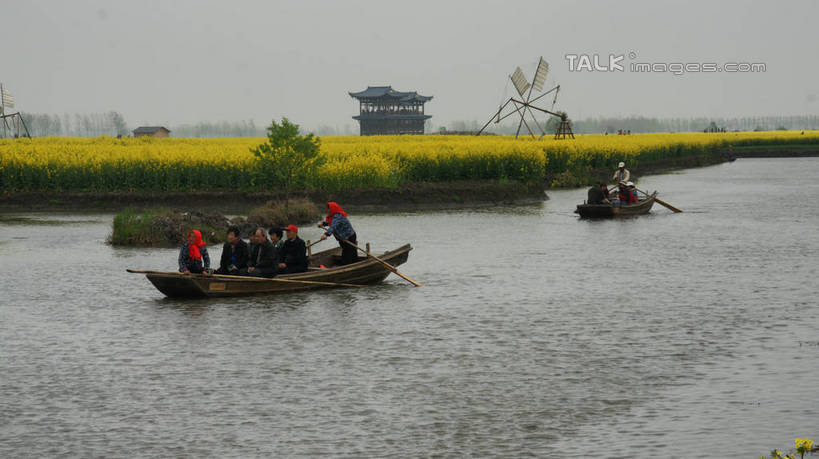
(386, 265)
(661, 202)
(273, 279)
(314, 243)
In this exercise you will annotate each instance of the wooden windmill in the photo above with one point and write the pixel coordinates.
(13, 124)
(525, 104)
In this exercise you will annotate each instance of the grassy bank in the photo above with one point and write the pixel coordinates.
(161, 227)
(353, 163)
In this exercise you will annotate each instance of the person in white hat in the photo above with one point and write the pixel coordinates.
(621, 174)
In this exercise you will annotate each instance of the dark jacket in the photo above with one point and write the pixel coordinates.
(185, 261)
(233, 258)
(263, 256)
(294, 254)
(596, 195)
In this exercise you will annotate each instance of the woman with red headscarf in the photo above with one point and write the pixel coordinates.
(339, 226)
(194, 258)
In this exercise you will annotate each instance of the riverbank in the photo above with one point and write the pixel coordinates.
(777, 151)
(413, 196)
(559, 173)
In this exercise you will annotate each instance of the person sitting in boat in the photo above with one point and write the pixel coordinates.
(621, 175)
(632, 193)
(234, 253)
(622, 194)
(598, 194)
(293, 258)
(605, 189)
(338, 225)
(276, 235)
(263, 256)
(193, 257)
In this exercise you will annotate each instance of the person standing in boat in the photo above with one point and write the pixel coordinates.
(234, 253)
(193, 257)
(263, 257)
(621, 175)
(293, 258)
(339, 226)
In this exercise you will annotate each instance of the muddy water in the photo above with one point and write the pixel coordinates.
(536, 334)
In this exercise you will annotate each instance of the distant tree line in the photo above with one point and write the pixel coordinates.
(642, 124)
(637, 124)
(113, 124)
(76, 125)
(218, 129)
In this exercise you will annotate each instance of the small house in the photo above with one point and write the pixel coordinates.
(152, 131)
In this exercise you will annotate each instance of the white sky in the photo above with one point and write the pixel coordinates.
(183, 61)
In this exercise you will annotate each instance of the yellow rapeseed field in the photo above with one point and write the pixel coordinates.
(147, 164)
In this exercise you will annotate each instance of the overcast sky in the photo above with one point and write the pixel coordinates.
(183, 61)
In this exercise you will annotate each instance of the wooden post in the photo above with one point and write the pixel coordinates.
(368, 248)
(309, 249)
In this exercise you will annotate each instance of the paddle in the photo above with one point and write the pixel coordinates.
(274, 279)
(661, 202)
(387, 265)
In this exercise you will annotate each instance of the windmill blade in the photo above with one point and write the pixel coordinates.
(7, 99)
(520, 82)
(540, 75)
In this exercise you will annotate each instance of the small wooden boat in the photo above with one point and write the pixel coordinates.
(365, 271)
(642, 206)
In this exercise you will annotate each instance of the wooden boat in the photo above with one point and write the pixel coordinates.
(642, 206)
(365, 271)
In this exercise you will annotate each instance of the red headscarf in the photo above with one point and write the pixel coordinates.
(332, 209)
(193, 247)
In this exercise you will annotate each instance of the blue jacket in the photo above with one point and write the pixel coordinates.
(340, 227)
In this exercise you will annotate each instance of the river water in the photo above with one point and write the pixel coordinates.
(536, 334)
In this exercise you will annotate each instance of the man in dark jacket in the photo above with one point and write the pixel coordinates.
(598, 194)
(294, 253)
(263, 257)
(234, 253)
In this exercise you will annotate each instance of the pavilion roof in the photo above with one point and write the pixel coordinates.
(376, 92)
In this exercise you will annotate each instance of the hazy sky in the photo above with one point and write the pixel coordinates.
(182, 61)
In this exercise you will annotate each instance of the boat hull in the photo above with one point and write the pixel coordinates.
(364, 272)
(609, 211)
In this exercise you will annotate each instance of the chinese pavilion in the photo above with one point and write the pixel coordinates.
(385, 111)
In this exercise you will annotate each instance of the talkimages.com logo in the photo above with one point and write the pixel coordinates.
(619, 63)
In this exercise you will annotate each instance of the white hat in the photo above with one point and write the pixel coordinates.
(622, 164)
(630, 184)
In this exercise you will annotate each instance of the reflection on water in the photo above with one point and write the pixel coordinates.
(669, 335)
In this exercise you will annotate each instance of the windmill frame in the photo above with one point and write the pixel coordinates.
(524, 105)
(16, 118)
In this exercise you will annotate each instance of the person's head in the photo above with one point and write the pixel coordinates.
(233, 235)
(194, 237)
(276, 234)
(603, 185)
(622, 165)
(259, 236)
(630, 184)
(292, 232)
